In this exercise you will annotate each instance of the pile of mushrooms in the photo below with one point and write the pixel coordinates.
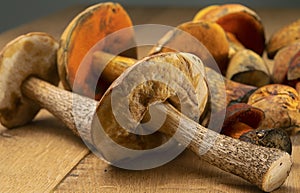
(259, 115)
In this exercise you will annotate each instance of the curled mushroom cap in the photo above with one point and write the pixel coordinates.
(83, 32)
(283, 37)
(33, 54)
(239, 20)
(280, 104)
(178, 78)
(210, 34)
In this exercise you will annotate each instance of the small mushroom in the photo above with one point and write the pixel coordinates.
(272, 138)
(285, 66)
(249, 68)
(32, 53)
(241, 118)
(82, 33)
(280, 104)
(210, 34)
(288, 34)
(239, 20)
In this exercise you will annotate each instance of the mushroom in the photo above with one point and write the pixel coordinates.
(240, 21)
(83, 32)
(240, 158)
(242, 122)
(272, 138)
(210, 34)
(241, 118)
(285, 66)
(280, 104)
(38, 48)
(249, 68)
(286, 35)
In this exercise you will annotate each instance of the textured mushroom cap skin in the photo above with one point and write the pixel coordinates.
(283, 37)
(210, 34)
(282, 63)
(193, 88)
(33, 54)
(280, 104)
(97, 22)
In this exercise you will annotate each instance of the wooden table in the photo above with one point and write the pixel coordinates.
(45, 157)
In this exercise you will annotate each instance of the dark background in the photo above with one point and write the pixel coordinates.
(17, 12)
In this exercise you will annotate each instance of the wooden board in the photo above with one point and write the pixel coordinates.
(42, 156)
(36, 157)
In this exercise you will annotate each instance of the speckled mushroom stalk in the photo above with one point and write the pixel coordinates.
(267, 168)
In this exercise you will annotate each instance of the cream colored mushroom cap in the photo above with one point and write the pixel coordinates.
(32, 54)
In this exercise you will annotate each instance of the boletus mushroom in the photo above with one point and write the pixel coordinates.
(288, 34)
(241, 118)
(82, 33)
(242, 122)
(240, 21)
(249, 68)
(280, 104)
(210, 34)
(38, 48)
(286, 65)
(272, 138)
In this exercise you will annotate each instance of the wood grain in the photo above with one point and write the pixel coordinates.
(36, 157)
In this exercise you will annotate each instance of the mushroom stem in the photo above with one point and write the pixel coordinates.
(265, 167)
(61, 104)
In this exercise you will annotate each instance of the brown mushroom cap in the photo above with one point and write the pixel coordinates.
(239, 20)
(280, 104)
(241, 113)
(83, 32)
(283, 37)
(285, 64)
(210, 34)
(33, 54)
(154, 79)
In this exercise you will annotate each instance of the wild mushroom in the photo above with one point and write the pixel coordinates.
(249, 68)
(83, 32)
(280, 104)
(283, 37)
(242, 122)
(241, 118)
(285, 66)
(243, 159)
(210, 34)
(38, 48)
(272, 138)
(240, 21)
